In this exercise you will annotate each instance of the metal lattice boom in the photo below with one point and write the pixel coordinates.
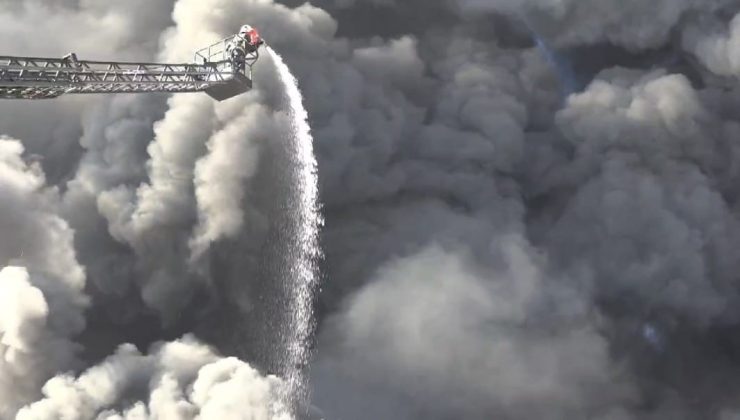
(41, 78)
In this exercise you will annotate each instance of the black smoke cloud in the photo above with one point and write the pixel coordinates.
(491, 251)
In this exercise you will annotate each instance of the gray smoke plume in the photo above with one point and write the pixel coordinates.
(492, 251)
(42, 308)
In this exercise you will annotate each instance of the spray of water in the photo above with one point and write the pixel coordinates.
(557, 62)
(305, 251)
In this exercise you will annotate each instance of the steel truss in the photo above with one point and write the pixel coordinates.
(42, 78)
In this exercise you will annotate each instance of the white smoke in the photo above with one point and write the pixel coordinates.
(33, 345)
(41, 307)
(437, 321)
(715, 44)
(180, 380)
(42, 311)
(220, 177)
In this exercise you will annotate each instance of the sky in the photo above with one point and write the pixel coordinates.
(530, 210)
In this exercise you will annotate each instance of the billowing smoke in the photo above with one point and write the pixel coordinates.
(157, 183)
(42, 308)
(492, 249)
(182, 379)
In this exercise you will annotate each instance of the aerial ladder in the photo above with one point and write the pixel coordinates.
(221, 70)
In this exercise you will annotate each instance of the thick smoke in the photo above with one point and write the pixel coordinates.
(627, 190)
(492, 251)
(635, 25)
(155, 185)
(715, 43)
(478, 332)
(179, 380)
(42, 307)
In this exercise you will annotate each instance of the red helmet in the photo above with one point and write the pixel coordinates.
(250, 34)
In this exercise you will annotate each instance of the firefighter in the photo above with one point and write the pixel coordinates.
(246, 42)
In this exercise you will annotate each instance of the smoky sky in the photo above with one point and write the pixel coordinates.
(493, 247)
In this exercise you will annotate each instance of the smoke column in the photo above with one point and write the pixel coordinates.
(305, 250)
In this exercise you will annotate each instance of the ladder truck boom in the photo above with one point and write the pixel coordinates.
(222, 70)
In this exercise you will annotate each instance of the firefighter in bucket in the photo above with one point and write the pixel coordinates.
(243, 45)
